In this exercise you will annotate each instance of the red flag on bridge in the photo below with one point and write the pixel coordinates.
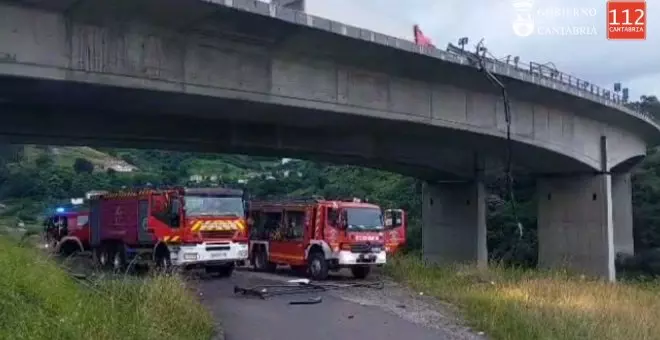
(420, 38)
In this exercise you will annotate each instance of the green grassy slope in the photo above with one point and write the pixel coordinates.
(38, 300)
(65, 156)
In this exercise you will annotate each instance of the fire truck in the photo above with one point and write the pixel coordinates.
(396, 224)
(315, 236)
(67, 231)
(180, 227)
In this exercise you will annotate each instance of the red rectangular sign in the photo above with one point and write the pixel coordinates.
(626, 19)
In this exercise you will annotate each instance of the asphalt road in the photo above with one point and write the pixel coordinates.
(358, 313)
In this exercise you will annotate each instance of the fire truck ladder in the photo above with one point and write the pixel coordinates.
(293, 200)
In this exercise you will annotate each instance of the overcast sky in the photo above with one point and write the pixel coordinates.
(589, 56)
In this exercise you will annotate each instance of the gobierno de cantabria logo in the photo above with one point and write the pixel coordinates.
(523, 22)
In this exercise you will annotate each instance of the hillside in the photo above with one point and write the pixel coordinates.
(65, 156)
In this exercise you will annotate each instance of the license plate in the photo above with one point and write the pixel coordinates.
(219, 255)
(366, 257)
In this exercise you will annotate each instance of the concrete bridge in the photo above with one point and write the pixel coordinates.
(244, 76)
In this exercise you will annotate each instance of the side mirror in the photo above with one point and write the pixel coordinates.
(175, 212)
(388, 219)
(333, 216)
(393, 218)
(175, 208)
(343, 220)
(398, 218)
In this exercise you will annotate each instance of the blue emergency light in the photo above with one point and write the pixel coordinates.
(59, 210)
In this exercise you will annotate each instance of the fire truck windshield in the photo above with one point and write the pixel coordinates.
(214, 206)
(364, 219)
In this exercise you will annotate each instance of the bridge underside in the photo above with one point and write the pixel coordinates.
(43, 111)
(584, 217)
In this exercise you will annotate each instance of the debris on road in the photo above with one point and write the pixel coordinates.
(310, 301)
(300, 287)
(300, 281)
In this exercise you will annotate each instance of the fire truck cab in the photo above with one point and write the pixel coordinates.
(67, 231)
(316, 236)
(182, 227)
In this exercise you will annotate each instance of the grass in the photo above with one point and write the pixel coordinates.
(39, 300)
(66, 155)
(524, 304)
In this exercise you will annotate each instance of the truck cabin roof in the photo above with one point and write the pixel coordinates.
(294, 202)
(213, 192)
(356, 205)
(69, 213)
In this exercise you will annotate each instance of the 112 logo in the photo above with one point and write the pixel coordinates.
(626, 19)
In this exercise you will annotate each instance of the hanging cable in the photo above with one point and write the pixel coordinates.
(509, 142)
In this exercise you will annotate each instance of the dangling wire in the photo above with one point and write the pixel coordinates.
(509, 142)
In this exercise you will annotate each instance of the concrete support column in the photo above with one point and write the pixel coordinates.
(622, 214)
(454, 223)
(575, 224)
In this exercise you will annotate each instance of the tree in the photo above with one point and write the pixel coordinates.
(44, 161)
(11, 153)
(648, 104)
(81, 165)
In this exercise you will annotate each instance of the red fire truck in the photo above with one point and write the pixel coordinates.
(67, 231)
(396, 224)
(316, 236)
(183, 227)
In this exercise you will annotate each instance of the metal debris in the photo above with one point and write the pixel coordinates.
(310, 301)
(265, 291)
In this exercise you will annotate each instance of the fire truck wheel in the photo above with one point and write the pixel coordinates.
(229, 270)
(163, 261)
(261, 262)
(221, 270)
(119, 258)
(360, 272)
(103, 256)
(318, 266)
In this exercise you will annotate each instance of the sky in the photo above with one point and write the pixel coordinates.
(588, 55)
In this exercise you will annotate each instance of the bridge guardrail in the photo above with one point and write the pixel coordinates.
(549, 73)
(553, 74)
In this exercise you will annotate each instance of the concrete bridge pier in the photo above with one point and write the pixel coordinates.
(454, 222)
(622, 216)
(583, 221)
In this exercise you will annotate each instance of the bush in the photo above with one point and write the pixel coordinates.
(44, 161)
(644, 264)
(81, 165)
